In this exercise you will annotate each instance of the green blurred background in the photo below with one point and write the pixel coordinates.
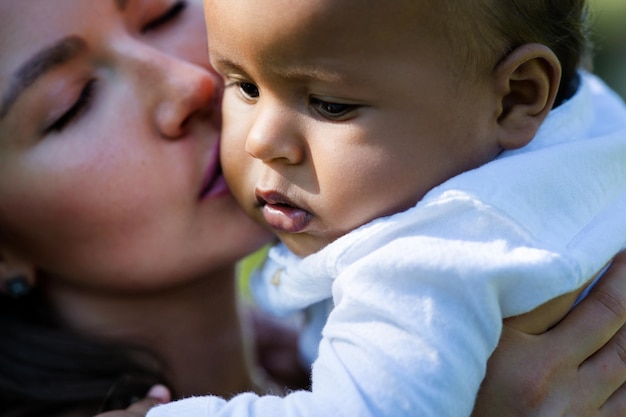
(608, 19)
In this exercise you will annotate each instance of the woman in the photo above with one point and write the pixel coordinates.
(114, 215)
(113, 206)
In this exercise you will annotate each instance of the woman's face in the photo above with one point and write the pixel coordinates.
(109, 126)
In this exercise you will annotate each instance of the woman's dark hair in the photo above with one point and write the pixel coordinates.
(45, 369)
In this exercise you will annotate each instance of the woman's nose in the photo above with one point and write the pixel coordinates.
(187, 92)
(275, 136)
(176, 92)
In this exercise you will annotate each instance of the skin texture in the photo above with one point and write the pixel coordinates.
(107, 215)
(335, 143)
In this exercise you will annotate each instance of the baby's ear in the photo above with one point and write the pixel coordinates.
(527, 81)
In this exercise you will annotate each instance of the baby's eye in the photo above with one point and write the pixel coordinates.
(249, 90)
(333, 111)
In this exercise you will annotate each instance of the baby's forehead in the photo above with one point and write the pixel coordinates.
(396, 20)
(403, 25)
(293, 32)
(370, 21)
(401, 15)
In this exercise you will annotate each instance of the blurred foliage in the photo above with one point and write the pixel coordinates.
(608, 19)
(246, 267)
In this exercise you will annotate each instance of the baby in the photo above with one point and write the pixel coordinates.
(431, 167)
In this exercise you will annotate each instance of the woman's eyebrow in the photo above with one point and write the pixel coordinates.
(39, 64)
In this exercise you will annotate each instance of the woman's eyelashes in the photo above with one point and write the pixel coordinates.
(169, 15)
(77, 109)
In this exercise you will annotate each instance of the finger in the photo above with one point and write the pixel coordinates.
(141, 408)
(599, 316)
(616, 404)
(158, 394)
(605, 372)
(138, 409)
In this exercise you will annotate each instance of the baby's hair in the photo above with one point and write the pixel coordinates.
(484, 31)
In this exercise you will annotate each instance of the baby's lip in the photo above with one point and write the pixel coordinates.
(280, 213)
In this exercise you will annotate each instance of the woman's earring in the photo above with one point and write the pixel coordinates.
(17, 286)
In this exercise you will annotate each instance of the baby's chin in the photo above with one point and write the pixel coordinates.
(303, 244)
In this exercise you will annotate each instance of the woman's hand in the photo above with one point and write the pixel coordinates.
(157, 395)
(576, 369)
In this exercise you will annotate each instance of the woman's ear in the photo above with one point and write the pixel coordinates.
(527, 81)
(17, 277)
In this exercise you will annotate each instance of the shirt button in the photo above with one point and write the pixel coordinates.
(276, 278)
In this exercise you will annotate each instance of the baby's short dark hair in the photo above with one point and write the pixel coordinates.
(484, 31)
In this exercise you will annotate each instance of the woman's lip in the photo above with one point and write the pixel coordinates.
(282, 214)
(214, 184)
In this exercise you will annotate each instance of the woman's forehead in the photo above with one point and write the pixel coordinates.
(26, 27)
(37, 38)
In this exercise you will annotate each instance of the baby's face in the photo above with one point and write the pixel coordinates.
(338, 112)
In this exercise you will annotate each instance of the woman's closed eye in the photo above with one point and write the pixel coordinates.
(169, 15)
(333, 111)
(77, 109)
